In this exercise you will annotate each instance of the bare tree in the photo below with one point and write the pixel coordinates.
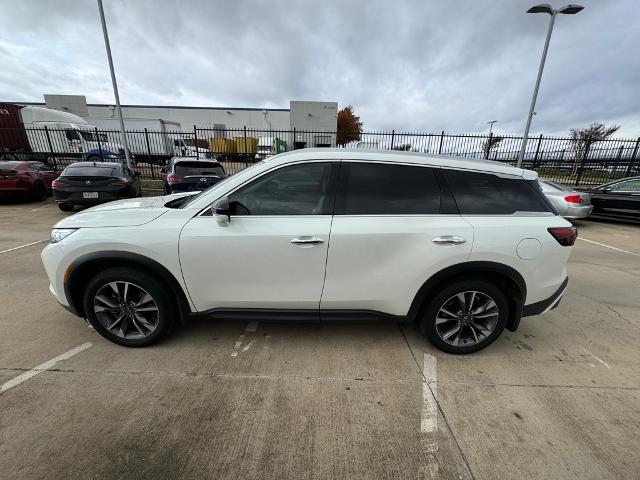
(489, 143)
(582, 138)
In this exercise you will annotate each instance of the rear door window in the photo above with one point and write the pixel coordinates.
(387, 189)
(487, 194)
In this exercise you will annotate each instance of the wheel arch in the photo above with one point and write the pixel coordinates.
(509, 279)
(86, 266)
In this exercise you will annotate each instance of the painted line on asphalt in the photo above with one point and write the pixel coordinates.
(43, 206)
(237, 346)
(429, 412)
(23, 246)
(252, 326)
(597, 358)
(609, 246)
(43, 367)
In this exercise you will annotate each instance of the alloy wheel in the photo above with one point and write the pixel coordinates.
(467, 318)
(126, 310)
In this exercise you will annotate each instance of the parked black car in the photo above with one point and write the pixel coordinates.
(91, 183)
(186, 174)
(619, 199)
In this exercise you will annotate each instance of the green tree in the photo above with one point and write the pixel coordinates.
(489, 143)
(349, 126)
(580, 138)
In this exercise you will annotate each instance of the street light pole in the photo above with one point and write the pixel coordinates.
(491, 125)
(115, 85)
(543, 8)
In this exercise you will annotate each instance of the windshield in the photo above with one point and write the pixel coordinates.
(198, 168)
(92, 137)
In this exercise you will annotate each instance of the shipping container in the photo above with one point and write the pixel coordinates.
(222, 145)
(246, 144)
(12, 134)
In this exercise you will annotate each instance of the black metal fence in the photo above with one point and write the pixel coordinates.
(560, 159)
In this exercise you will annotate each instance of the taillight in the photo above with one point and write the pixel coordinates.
(573, 199)
(119, 184)
(58, 183)
(566, 236)
(174, 179)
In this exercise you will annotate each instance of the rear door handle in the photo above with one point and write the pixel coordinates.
(307, 241)
(448, 240)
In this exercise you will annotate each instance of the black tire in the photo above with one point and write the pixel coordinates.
(39, 192)
(65, 207)
(440, 299)
(163, 317)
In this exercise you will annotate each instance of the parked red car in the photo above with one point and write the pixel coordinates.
(26, 179)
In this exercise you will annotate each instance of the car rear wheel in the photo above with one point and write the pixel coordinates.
(65, 207)
(39, 192)
(129, 307)
(466, 316)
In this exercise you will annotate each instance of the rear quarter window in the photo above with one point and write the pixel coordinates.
(487, 194)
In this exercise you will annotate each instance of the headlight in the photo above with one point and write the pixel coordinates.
(59, 234)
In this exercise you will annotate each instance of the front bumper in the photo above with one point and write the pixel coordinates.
(547, 304)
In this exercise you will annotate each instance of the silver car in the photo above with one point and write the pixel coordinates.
(568, 203)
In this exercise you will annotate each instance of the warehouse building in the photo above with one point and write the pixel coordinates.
(301, 115)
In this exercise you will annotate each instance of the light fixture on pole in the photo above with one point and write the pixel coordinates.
(491, 125)
(115, 85)
(543, 8)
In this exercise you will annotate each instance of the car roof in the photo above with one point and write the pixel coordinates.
(95, 164)
(430, 159)
(193, 159)
(12, 163)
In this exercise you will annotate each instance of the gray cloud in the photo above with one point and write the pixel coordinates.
(408, 65)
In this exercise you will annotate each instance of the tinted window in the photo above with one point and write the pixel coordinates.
(296, 190)
(198, 168)
(384, 189)
(626, 186)
(91, 171)
(487, 194)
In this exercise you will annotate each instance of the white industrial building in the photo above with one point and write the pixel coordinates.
(302, 115)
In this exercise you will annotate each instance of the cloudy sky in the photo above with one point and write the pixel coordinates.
(420, 65)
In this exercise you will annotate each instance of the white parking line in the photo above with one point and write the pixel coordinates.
(22, 246)
(429, 413)
(609, 246)
(597, 358)
(252, 326)
(43, 206)
(43, 367)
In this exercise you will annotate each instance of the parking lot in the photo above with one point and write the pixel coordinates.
(560, 398)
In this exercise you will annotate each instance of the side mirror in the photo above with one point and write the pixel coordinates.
(222, 212)
(606, 189)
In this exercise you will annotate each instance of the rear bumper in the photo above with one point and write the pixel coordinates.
(547, 304)
(582, 211)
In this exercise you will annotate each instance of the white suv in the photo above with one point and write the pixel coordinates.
(464, 248)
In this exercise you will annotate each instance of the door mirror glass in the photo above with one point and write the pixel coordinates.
(221, 211)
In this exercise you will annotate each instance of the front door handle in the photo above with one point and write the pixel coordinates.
(448, 240)
(307, 241)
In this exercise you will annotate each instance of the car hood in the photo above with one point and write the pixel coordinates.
(121, 213)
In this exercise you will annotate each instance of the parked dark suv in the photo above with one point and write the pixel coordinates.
(186, 174)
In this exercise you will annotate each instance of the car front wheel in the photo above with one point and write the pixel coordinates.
(466, 316)
(129, 307)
